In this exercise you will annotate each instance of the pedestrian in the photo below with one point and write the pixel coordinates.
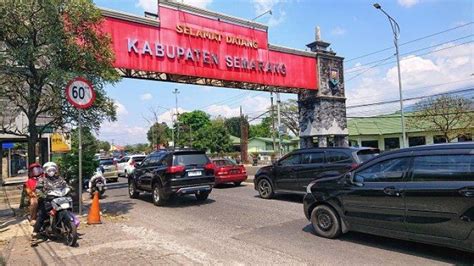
(35, 171)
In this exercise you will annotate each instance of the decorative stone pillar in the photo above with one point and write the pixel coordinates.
(323, 112)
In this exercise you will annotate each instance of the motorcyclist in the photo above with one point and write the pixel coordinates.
(98, 174)
(51, 181)
(35, 171)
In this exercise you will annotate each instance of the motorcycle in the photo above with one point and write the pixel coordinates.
(97, 183)
(60, 221)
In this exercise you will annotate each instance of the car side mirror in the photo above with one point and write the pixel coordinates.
(357, 180)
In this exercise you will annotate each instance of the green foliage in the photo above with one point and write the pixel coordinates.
(189, 124)
(138, 148)
(263, 130)
(159, 133)
(69, 164)
(233, 126)
(213, 137)
(103, 145)
(44, 44)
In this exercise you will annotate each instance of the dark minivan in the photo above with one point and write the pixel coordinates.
(293, 172)
(166, 173)
(424, 194)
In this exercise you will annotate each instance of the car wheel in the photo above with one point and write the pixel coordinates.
(158, 196)
(265, 189)
(132, 190)
(202, 196)
(237, 183)
(326, 221)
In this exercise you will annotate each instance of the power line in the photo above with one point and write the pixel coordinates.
(408, 115)
(410, 57)
(412, 98)
(358, 68)
(425, 87)
(412, 41)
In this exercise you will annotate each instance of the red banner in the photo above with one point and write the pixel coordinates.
(192, 45)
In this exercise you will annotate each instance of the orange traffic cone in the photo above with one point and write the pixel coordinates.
(94, 212)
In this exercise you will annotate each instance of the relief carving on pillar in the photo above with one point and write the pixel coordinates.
(331, 78)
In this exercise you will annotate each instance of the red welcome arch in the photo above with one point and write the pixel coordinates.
(196, 46)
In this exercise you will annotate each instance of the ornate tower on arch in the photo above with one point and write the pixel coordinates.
(322, 113)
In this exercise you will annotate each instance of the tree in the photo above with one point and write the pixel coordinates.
(263, 130)
(233, 126)
(69, 164)
(450, 115)
(188, 124)
(213, 137)
(103, 145)
(159, 133)
(290, 116)
(44, 44)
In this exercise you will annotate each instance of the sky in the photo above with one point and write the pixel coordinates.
(436, 52)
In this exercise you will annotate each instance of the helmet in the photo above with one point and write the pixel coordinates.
(50, 168)
(35, 170)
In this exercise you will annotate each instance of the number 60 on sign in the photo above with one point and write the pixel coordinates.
(80, 93)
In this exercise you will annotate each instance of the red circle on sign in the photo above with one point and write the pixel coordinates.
(72, 101)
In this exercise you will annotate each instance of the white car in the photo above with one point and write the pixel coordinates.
(126, 165)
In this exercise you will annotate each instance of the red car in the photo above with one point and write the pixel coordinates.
(226, 171)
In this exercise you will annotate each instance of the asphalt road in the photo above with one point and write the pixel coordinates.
(236, 226)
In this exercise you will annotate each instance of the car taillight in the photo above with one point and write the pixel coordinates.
(175, 169)
(209, 166)
(243, 170)
(132, 163)
(222, 171)
(354, 166)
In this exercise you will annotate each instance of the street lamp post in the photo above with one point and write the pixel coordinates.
(396, 35)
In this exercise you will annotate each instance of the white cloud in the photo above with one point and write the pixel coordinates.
(152, 5)
(146, 97)
(262, 6)
(448, 69)
(338, 31)
(251, 106)
(167, 116)
(148, 5)
(408, 3)
(121, 110)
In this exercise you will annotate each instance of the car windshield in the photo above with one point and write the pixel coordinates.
(106, 162)
(365, 155)
(190, 159)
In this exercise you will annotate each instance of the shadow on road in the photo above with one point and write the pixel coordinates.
(117, 185)
(118, 207)
(226, 186)
(178, 201)
(442, 254)
(286, 197)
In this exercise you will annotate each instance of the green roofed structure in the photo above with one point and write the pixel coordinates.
(384, 132)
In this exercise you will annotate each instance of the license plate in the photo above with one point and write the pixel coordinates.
(234, 171)
(194, 173)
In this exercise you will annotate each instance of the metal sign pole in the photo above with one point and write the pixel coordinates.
(80, 161)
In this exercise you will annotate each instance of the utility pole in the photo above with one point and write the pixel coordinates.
(244, 135)
(272, 113)
(176, 92)
(396, 35)
(279, 124)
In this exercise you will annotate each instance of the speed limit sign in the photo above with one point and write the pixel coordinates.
(80, 93)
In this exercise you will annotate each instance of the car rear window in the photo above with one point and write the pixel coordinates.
(446, 167)
(138, 159)
(223, 162)
(365, 155)
(190, 159)
(106, 162)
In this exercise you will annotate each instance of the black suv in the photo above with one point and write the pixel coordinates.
(293, 172)
(423, 193)
(166, 173)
